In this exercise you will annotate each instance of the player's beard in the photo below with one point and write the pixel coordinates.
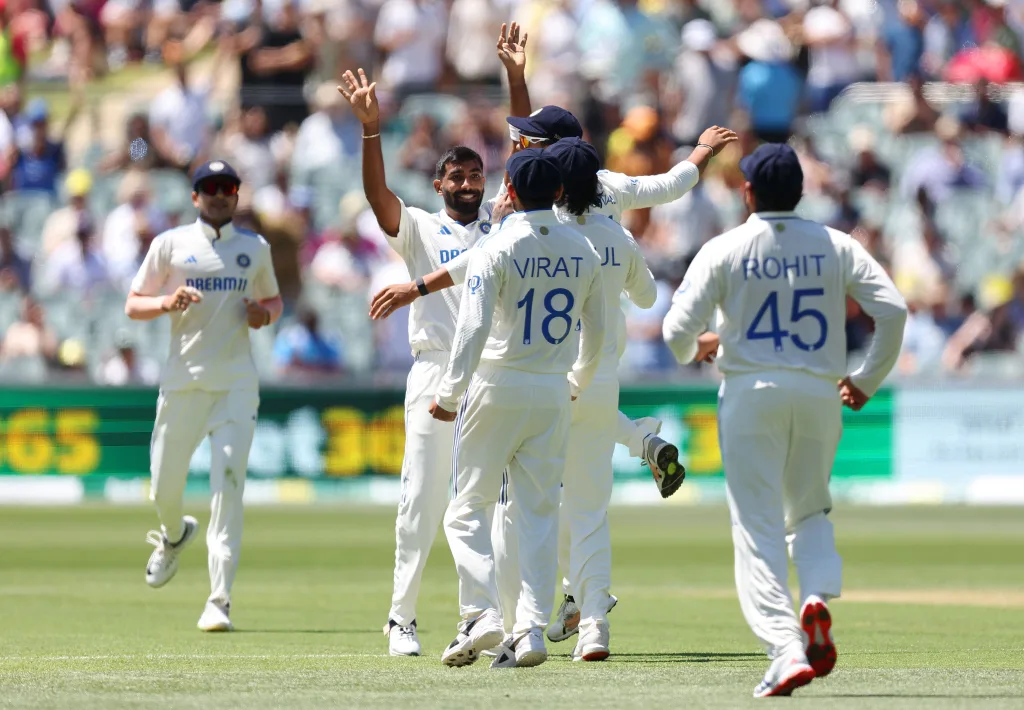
(459, 201)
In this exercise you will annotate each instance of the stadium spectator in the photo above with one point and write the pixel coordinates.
(250, 149)
(939, 171)
(36, 160)
(125, 366)
(302, 348)
(420, 150)
(828, 36)
(946, 33)
(391, 336)
(700, 90)
(343, 259)
(61, 225)
(135, 151)
(769, 85)
(899, 53)
(330, 138)
(923, 338)
(135, 216)
(646, 353)
(868, 171)
(29, 337)
(411, 35)
(983, 114)
(913, 113)
(77, 269)
(470, 44)
(15, 269)
(178, 116)
(924, 266)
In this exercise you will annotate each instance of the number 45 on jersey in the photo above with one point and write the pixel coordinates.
(802, 309)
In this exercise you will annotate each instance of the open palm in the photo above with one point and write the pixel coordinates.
(511, 50)
(361, 96)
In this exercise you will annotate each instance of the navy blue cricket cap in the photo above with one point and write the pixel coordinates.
(214, 169)
(579, 159)
(552, 122)
(774, 169)
(535, 174)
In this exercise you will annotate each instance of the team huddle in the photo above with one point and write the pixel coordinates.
(512, 401)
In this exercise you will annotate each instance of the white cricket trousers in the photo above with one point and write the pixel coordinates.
(778, 432)
(183, 419)
(426, 479)
(517, 421)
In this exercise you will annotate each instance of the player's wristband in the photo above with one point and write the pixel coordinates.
(375, 135)
(705, 145)
(421, 287)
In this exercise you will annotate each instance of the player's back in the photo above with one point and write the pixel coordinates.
(621, 267)
(546, 271)
(782, 283)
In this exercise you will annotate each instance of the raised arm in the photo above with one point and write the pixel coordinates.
(639, 193)
(362, 96)
(476, 312)
(512, 53)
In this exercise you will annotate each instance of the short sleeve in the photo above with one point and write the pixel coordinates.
(408, 229)
(265, 284)
(155, 269)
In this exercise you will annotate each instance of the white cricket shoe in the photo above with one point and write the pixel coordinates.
(816, 622)
(504, 654)
(530, 649)
(483, 633)
(787, 672)
(592, 644)
(402, 640)
(215, 618)
(567, 619)
(663, 458)
(163, 563)
(496, 651)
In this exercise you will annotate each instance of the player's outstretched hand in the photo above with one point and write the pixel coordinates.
(512, 51)
(717, 137)
(182, 298)
(441, 415)
(707, 347)
(851, 395)
(361, 96)
(392, 298)
(257, 315)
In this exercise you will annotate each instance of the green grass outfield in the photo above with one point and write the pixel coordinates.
(934, 617)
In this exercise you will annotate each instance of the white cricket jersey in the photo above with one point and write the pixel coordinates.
(623, 270)
(427, 241)
(528, 286)
(780, 283)
(620, 192)
(209, 341)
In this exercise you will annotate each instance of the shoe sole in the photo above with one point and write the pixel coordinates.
(816, 619)
(673, 472)
(471, 654)
(406, 655)
(571, 627)
(531, 659)
(219, 628)
(786, 687)
(599, 653)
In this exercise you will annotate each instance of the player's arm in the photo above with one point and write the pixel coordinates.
(649, 190)
(592, 325)
(268, 305)
(479, 298)
(386, 206)
(396, 296)
(512, 53)
(640, 286)
(145, 302)
(693, 307)
(877, 296)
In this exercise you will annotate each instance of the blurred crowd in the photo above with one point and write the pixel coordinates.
(906, 114)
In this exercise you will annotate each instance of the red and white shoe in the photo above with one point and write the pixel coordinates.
(785, 674)
(816, 622)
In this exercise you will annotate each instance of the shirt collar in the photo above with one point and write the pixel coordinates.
(225, 233)
(447, 219)
(763, 216)
(538, 217)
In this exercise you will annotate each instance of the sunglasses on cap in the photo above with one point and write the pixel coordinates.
(228, 188)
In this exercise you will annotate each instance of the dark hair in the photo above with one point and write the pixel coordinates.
(777, 200)
(537, 203)
(457, 154)
(580, 195)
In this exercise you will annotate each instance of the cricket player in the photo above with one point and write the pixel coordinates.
(585, 198)
(780, 284)
(216, 281)
(528, 286)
